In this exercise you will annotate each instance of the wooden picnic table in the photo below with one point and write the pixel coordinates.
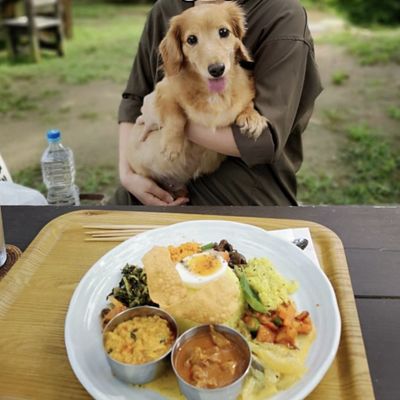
(371, 240)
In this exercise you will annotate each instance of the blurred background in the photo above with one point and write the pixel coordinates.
(351, 146)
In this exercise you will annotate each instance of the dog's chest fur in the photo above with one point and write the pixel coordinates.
(215, 110)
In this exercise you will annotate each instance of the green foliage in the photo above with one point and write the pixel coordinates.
(318, 189)
(394, 112)
(372, 173)
(316, 4)
(377, 46)
(385, 12)
(89, 115)
(14, 104)
(31, 177)
(362, 12)
(376, 173)
(99, 179)
(335, 117)
(340, 77)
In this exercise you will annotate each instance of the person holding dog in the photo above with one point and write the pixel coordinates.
(261, 172)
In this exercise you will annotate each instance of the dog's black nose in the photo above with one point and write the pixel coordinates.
(216, 70)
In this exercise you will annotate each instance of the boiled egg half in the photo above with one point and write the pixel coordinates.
(198, 269)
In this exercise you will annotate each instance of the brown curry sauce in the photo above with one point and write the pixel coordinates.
(210, 360)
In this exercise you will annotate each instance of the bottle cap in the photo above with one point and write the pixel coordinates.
(53, 135)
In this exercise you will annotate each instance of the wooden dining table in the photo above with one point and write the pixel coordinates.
(371, 240)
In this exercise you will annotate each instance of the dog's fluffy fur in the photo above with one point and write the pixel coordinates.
(167, 156)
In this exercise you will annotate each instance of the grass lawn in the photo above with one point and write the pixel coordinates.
(105, 40)
(370, 47)
(368, 161)
(370, 173)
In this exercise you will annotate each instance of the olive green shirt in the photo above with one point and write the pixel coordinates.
(287, 84)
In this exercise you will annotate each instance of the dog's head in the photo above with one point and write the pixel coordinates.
(206, 39)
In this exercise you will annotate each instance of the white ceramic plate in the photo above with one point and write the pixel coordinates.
(83, 337)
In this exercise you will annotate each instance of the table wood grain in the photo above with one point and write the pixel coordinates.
(371, 239)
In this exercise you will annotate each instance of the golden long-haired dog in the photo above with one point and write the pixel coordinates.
(205, 83)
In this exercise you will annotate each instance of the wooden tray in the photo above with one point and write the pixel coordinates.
(35, 294)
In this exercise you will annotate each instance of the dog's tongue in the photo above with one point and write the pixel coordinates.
(216, 85)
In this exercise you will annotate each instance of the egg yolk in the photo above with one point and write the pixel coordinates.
(204, 264)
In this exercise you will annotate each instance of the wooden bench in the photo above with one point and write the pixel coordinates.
(38, 31)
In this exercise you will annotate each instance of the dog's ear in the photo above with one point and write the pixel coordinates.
(242, 54)
(237, 19)
(171, 48)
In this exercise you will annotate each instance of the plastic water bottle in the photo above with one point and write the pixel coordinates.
(58, 170)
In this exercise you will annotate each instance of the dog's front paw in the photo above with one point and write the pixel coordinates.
(172, 149)
(251, 123)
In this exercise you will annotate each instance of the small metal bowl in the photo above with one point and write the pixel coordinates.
(229, 392)
(139, 373)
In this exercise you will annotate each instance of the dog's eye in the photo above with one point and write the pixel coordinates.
(223, 32)
(192, 40)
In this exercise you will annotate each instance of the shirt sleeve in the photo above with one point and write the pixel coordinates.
(279, 72)
(141, 78)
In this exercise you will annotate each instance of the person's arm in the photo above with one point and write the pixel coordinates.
(142, 75)
(284, 61)
(220, 140)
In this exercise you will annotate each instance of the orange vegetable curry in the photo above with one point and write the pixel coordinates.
(281, 326)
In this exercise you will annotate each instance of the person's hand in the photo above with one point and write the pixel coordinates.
(149, 117)
(148, 192)
(144, 189)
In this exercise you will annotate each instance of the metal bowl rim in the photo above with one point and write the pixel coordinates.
(151, 308)
(198, 327)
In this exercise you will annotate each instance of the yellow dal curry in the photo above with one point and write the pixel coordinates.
(139, 340)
